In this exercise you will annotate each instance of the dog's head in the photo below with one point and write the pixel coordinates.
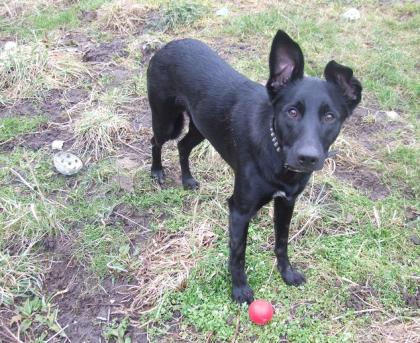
(308, 112)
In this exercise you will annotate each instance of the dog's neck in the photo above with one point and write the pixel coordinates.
(274, 137)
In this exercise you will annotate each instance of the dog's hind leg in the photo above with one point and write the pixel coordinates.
(185, 146)
(167, 124)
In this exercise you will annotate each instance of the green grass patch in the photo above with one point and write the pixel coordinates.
(171, 197)
(45, 20)
(180, 13)
(105, 249)
(11, 127)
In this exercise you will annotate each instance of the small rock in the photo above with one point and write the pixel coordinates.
(415, 239)
(392, 115)
(10, 45)
(222, 12)
(57, 145)
(349, 218)
(351, 14)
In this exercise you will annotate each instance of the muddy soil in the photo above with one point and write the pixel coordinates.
(364, 180)
(105, 52)
(85, 306)
(360, 297)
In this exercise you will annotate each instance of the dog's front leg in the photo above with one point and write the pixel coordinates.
(283, 212)
(238, 232)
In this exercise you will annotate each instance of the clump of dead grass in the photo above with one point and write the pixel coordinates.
(98, 130)
(25, 69)
(166, 263)
(16, 8)
(311, 208)
(392, 333)
(21, 69)
(123, 16)
(349, 151)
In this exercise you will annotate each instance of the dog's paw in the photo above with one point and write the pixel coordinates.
(158, 175)
(190, 183)
(292, 277)
(243, 294)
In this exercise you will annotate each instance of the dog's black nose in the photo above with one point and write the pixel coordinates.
(308, 158)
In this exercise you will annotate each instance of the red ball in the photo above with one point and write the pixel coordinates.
(260, 312)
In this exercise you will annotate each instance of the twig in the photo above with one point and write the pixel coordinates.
(359, 312)
(236, 327)
(131, 221)
(349, 281)
(9, 334)
(26, 183)
(57, 333)
(130, 146)
(10, 139)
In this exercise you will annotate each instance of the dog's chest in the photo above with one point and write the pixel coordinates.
(279, 194)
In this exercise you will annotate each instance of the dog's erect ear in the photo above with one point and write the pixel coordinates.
(286, 62)
(342, 76)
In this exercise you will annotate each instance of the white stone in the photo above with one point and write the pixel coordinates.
(67, 163)
(57, 145)
(392, 115)
(222, 12)
(351, 14)
(10, 45)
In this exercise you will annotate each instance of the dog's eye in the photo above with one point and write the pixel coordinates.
(293, 113)
(328, 117)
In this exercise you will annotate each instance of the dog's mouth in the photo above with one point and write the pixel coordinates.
(295, 170)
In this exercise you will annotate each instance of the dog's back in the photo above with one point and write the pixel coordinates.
(189, 67)
(186, 75)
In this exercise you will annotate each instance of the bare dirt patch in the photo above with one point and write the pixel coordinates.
(51, 103)
(85, 306)
(40, 140)
(44, 139)
(229, 49)
(412, 300)
(371, 128)
(134, 222)
(365, 180)
(407, 333)
(360, 298)
(75, 40)
(105, 52)
(88, 16)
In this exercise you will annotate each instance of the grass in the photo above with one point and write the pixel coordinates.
(43, 18)
(165, 249)
(99, 129)
(29, 68)
(12, 127)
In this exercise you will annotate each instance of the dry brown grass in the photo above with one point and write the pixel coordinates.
(99, 130)
(17, 8)
(393, 333)
(166, 263)
(123, 16)
(26, 69)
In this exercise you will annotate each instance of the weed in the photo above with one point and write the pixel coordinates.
(117, 331)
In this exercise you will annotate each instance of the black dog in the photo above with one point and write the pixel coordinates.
(273, 137)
